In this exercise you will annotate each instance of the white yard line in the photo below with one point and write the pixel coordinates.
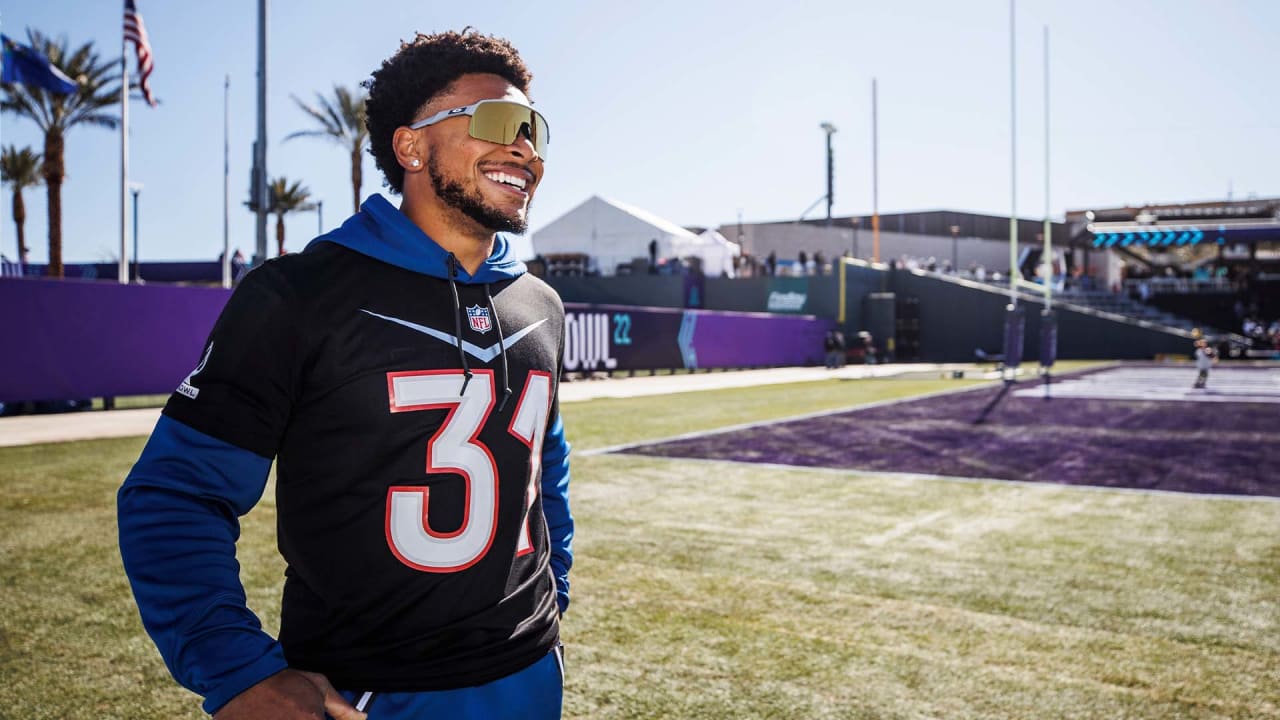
(763, 423)
(641, 385)
(1226, 384)
(929, 477)
(65, 427)
(905, 527)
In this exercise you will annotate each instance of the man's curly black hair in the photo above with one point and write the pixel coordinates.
(419, 71)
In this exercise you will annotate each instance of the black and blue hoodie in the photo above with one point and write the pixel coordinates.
(421, 471)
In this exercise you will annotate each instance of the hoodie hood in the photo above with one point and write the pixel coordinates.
(382, 232)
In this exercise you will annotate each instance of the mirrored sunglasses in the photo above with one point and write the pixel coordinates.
(498, 121)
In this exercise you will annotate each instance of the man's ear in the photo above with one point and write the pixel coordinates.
(411, 153)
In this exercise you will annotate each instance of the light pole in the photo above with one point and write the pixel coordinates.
(136, 189)
(260, 186)
(955, 248)
(226, 182)
(830, 130)
(319, 218)
(856, 222)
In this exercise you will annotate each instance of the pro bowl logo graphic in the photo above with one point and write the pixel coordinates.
(478, 317)
(587, 339)
(186, 388)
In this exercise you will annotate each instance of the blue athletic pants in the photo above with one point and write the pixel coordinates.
(534, 693)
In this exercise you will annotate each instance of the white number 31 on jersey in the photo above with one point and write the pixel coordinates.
(456, 449)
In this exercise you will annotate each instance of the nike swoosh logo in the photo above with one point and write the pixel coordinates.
(483, 354)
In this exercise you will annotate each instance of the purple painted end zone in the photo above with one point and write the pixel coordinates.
(67, 339)
(1227, 448)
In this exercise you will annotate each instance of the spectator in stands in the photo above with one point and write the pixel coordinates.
(819, 263)
(772, 263)
(804, 258)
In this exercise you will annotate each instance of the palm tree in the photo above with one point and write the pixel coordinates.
(341, 120)
(99, 88)
(284, 199)
(20, 169)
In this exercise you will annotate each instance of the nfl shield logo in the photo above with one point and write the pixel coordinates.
(478, 317)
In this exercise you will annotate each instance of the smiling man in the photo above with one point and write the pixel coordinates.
(403, 374)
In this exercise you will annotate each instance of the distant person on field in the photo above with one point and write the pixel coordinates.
(1205, 359)
(833, 344)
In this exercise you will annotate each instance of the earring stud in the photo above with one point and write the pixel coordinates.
(415, 162)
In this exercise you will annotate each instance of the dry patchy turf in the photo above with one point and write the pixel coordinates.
(714, 590)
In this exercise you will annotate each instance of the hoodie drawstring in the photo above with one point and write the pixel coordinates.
(502, 350)
(452, 263)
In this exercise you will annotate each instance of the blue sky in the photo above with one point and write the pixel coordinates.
(698, 110)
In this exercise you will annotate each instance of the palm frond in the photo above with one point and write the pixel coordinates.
(98, 88)
(309, 133)
(335, 118)
(20, 102)
(340, 117)
(317, 113)
(286, 198)
(20, 168)
(106, 122)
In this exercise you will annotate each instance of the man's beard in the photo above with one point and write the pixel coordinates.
(472, 204)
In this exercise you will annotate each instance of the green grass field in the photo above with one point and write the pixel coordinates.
(717, 590)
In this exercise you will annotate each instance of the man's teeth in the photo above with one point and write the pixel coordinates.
(507, 179)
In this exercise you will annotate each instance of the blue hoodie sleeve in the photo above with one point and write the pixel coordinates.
(178, 520)
(555, 506)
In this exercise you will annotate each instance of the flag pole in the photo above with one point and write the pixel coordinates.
(260, 147)
(21, 270)
(1013, 160)
(1048, 234)
(123, 273)
(226, 182)
(875, 177)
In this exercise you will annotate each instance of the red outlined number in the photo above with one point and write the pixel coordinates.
(530, 425)
(456, 448)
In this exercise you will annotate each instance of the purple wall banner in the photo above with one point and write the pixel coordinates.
(624, 337)
(74, 339)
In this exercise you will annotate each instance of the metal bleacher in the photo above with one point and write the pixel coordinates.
(1121, 304)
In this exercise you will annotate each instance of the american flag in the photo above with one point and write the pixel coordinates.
(136, 31)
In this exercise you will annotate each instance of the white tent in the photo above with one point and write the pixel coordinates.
(717, 254)
(614, 233)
